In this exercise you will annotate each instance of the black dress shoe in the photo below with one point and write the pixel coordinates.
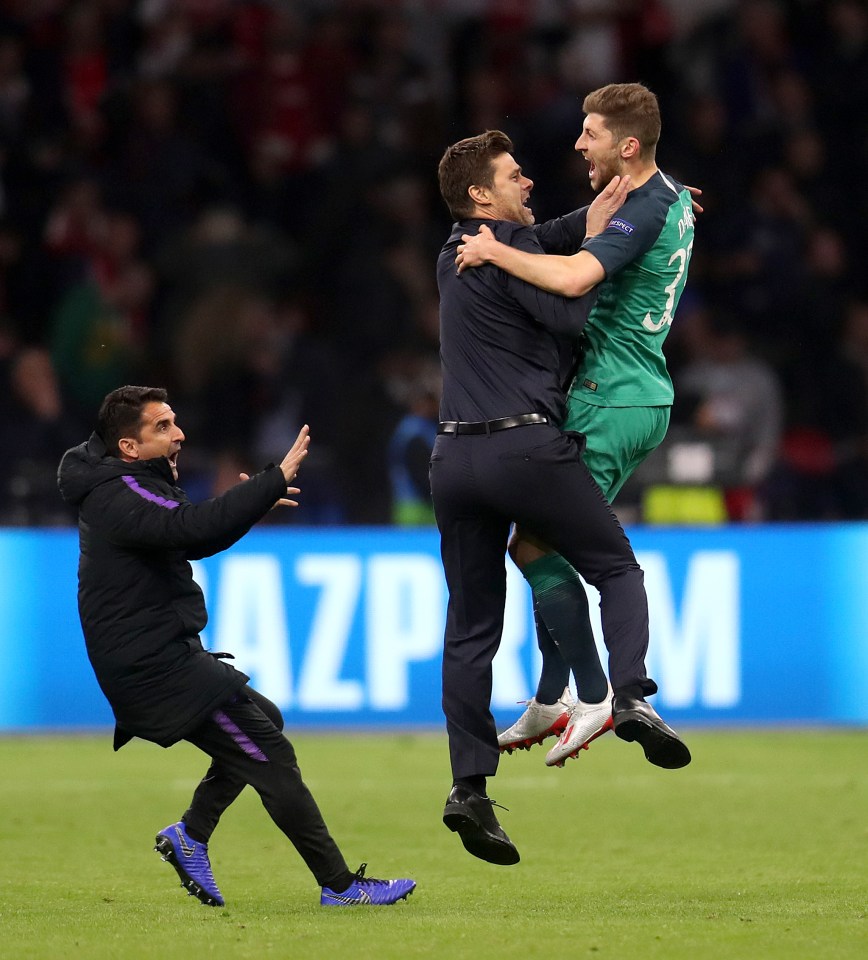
(471, 816)
(637, 720)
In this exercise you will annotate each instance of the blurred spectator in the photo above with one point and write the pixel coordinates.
(806, 159)
(824, 286)
(167, 39)
(8, 347)
(249, 373)
(703, 157)
(219, 255)
(396, 83)
(349, 183)
(96, 338)
(221, 342)
(824, 456)
(839, 70)
(386, 279)
(301, 377)
(613, 42)
(35, 429)
(852, 443)
(750, 58)
(409, 452)
(278, 99)
(760, 252)
(15, 276)
(84, 68)
(161, 173)
(16, 91)
(705, 153)
(75, 228)
(728, 398)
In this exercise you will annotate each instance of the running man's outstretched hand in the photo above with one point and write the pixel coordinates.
(297, 452)
(290, 466)
(283, 501)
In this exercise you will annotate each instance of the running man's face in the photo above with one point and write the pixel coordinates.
(598, 146)
(159, 436)
(511, 192)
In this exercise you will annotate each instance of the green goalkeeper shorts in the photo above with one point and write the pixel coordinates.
(618, 439)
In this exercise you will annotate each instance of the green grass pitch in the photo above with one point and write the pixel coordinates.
(758, 849)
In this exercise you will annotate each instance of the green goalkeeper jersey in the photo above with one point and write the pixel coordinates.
(645, 252)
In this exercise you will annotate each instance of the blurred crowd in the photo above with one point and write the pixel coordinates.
(237, 199)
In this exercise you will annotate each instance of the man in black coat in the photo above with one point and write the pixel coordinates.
(500, 458)
(141, 614)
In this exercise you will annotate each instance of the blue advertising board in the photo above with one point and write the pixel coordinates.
(344, 627)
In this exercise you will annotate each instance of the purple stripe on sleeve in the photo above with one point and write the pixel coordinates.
(238, 735)
(147, 495)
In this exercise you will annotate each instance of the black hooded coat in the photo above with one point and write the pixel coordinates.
(141, 611)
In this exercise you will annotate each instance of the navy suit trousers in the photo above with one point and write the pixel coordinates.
(534, 476)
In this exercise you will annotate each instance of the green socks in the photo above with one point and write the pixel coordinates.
(561, 609)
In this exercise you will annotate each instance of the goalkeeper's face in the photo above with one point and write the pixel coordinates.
(598, 146)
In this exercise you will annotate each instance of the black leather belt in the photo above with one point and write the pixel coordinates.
(489, 426)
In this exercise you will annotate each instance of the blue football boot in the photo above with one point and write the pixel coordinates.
(190, 859)
(368, 891)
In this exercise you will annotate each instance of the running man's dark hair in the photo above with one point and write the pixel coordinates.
(469, 163)
(120, 414)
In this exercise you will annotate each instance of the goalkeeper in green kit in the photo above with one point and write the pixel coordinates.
(619, 400)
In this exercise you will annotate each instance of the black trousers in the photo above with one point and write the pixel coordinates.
(245, 742)
(532, 475)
